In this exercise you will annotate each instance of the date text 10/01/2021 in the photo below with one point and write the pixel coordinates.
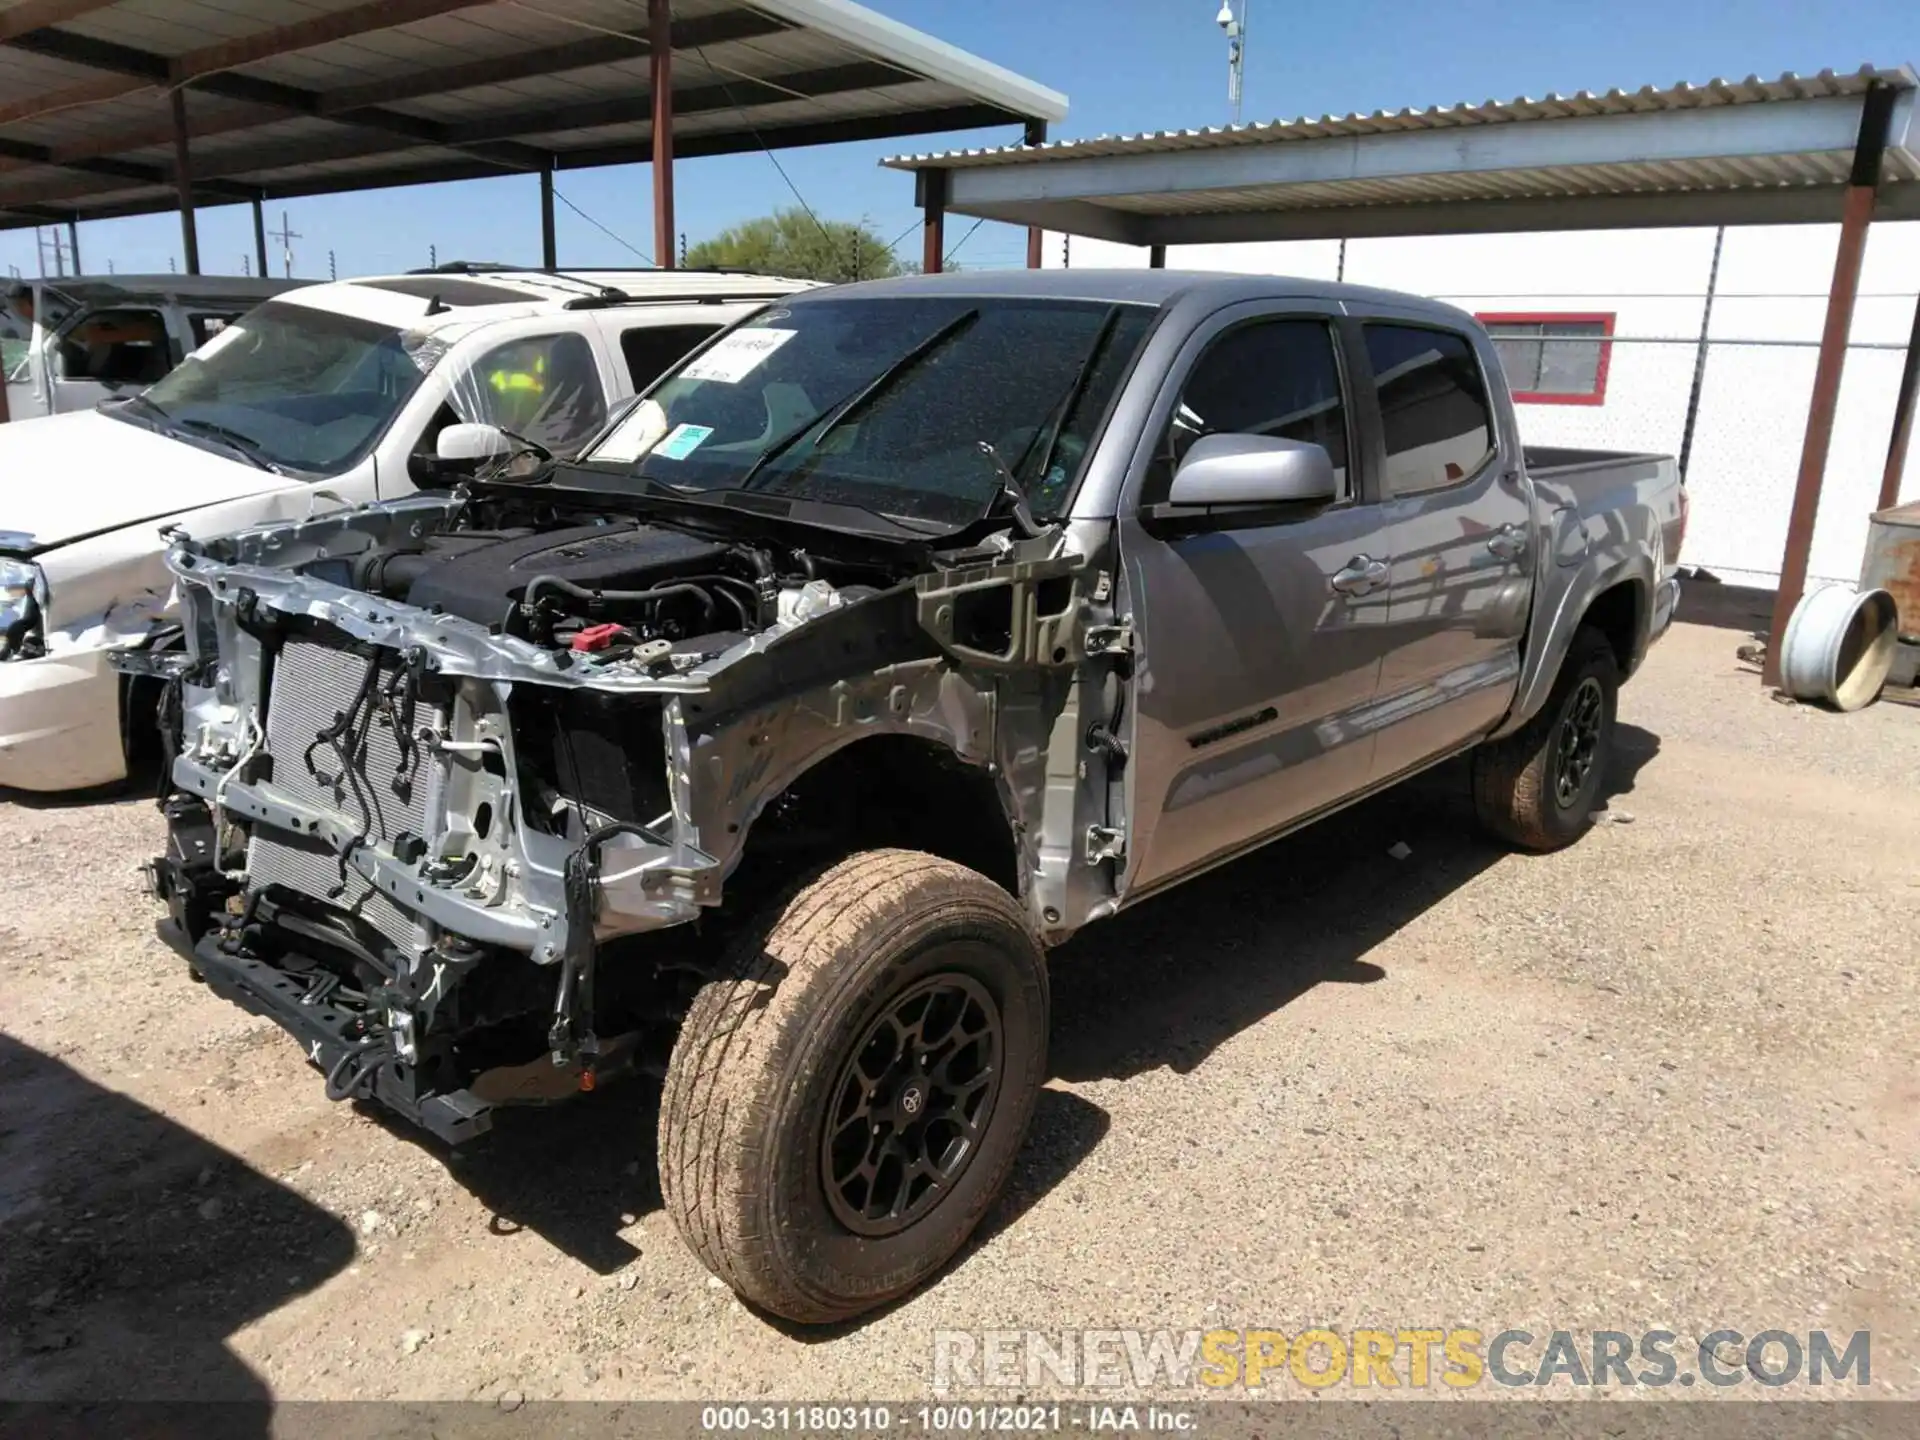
(943, 1419)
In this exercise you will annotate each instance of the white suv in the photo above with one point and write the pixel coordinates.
(324, 397)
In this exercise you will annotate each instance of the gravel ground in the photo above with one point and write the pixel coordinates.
(1666, 1079)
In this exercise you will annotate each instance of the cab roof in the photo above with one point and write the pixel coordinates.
(1162, 289)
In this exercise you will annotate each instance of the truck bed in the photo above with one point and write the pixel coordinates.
(1604, 514)
(1553, 461)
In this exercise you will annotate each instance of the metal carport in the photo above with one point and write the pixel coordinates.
(1799, 149)
(128, 107)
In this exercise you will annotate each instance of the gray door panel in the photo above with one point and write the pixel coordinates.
(1255, 672)
(1458, 616)
(1255, 683)
(1461, 520)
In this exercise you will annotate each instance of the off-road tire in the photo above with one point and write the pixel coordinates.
(1516, 793)
(764, 1053)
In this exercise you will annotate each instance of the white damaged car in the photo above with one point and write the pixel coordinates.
(326, 397)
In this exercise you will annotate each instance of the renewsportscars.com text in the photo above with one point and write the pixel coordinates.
(1416, 1358)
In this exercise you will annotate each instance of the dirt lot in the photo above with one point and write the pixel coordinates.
(1666, 1079)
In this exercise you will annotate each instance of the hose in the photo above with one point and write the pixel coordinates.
(614, 597)
(359, 1085)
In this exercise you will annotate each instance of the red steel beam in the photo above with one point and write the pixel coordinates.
(1036, 135)
(86, 92)
(1902, 419)
(183, 182)
(932, 185)
(140, 137)
(660, 63)
(1876, 111)
(305, 34)
(38, 14)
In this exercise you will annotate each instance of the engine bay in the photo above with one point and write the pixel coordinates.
(602, 587)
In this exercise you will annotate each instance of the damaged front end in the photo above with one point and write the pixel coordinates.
(451, 776)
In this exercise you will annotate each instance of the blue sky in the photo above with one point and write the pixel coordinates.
(1126, 65)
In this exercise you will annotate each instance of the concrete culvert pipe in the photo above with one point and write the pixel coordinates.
(1839, 646)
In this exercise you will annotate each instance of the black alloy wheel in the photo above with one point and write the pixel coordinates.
(911, 1104)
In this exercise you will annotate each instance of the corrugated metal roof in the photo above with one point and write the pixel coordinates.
(297, 96)
(1648, 99)
(1746, 151)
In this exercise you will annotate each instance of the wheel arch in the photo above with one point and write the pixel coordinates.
(892, 788)
(1616, 598)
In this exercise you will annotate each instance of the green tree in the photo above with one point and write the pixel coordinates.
(791, 242)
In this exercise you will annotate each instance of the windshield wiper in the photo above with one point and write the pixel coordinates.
(118, 404)
(836, 413)
(165, 423)
(245, 446)
(1058, 417)
(1009, 494)
(731, 500)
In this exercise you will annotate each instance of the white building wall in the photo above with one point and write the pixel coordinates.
(1772, 287)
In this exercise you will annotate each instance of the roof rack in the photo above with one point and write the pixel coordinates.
(601, 297)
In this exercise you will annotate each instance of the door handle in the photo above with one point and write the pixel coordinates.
(1360, 574)
(1509, 542)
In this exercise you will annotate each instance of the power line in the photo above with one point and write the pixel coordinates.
(894, 244)
(598, 226)
(767, 150)
(961, 241)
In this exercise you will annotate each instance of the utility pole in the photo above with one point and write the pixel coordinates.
(58, 246)
(286, 236)
(1236, 32)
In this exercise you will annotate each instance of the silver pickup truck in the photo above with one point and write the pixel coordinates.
(893, 636)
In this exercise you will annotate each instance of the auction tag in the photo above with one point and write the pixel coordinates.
(643, 426)
(736, 356)
(682, 441)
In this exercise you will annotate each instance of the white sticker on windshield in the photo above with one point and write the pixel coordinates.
(682, 441)
(642, 428)
(736, 356)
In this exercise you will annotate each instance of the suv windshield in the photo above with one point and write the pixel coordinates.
(909, 407)
(303, 389)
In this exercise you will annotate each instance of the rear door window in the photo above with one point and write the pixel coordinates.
(1434, 407)
(650, 349)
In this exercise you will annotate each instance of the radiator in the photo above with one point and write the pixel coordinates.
(312, 683)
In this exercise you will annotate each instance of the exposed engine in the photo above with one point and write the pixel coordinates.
(604, 589)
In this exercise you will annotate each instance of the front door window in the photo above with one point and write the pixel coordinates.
(543, 388)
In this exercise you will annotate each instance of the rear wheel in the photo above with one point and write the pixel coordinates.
(1537, 788)
(846, 1100)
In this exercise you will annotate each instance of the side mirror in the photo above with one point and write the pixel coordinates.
(469, 445)
(1254, 470)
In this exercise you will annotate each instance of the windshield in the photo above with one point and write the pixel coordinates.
(911, 407)
(302, 389)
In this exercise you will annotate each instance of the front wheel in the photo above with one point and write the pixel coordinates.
(846, 1099)
(1537, 788)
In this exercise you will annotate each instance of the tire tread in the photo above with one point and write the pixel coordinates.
(727, 1067)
